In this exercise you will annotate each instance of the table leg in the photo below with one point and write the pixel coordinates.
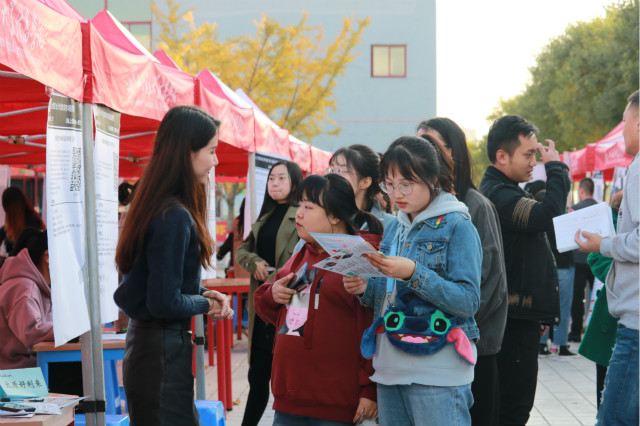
(44, 366)
(229, 325)
(227, 351)
(221, 343)
(239, 315)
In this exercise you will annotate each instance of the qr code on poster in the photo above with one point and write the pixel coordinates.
(76, 162)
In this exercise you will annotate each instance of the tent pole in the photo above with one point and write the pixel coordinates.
(92, 361)
(252, 186)
(200, 379)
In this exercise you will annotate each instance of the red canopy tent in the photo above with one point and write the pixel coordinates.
(35, 39)
(605, 154)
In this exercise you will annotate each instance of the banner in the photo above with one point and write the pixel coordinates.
(598, 185)
(107, 160)
(65, 218)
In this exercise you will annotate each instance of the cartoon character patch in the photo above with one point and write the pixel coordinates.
(415, 326)
(298, 307)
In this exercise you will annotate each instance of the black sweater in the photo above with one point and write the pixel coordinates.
(164, 283)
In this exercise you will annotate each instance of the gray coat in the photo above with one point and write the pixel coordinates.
(492, 315)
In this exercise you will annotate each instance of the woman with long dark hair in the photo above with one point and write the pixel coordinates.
(163, 246)
(359, 165)
(19, 215)
(267, 248)
(319, 376)
(492, 314)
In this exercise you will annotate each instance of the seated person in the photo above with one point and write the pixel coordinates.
(25, 312)
(25, 301)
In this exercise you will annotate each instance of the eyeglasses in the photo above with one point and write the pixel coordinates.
(339, 169)
(404, 188)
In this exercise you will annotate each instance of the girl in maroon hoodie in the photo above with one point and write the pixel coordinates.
(319, 376)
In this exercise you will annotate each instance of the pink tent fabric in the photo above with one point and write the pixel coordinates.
(605, 154)
(103, 64)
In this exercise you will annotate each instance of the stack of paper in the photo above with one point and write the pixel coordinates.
(595, 219)
(347, 255)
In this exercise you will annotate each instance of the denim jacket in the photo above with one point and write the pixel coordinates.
(448, 258)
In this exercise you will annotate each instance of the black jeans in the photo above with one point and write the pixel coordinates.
(157, 376)
(518, 370)
(583, 276)
(486, 392)
(259, 371)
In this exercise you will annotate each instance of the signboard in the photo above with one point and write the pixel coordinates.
(65, 218)
(107, 160)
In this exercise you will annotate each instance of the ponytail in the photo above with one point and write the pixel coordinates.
(374, 226)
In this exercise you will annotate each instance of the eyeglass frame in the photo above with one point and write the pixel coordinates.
(383, 187)
(338, 167)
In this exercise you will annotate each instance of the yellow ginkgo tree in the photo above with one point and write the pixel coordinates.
(287, 70)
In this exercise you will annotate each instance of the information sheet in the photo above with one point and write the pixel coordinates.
(347, 255)
(596, 219)
(107, 161)
(65, 218)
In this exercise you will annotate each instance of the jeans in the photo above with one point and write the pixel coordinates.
(561, 331)
(284, 419)
(421, 405)
(619, 404)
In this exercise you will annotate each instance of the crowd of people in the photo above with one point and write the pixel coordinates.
(471, 285)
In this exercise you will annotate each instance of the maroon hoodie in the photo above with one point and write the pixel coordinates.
(25, 311)
(318, 370)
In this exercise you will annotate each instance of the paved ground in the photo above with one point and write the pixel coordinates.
(565, 394)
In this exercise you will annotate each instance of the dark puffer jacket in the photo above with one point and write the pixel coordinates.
(532, 277)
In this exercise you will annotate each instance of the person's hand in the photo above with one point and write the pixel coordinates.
(592, 245)
(280, 292)
(261, 273)
(219, 306)
(368, 407)
(393, 266)
(548, 153)
(355, 285)
(543, 329)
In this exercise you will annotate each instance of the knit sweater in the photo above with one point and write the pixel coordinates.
(164, 282)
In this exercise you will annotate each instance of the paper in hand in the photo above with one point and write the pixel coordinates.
(347, 255)
(595, 219)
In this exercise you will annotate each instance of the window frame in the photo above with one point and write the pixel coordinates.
(389, 46)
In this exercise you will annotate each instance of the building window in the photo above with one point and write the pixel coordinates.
(389, 60)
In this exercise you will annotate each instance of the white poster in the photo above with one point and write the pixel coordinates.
(263, 165)
(65, 218)
(211, 273)
(598, 185)
(106, 159)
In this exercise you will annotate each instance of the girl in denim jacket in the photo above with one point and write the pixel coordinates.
(423, 338)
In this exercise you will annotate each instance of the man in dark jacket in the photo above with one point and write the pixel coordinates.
(532, 279)
(583, 274)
